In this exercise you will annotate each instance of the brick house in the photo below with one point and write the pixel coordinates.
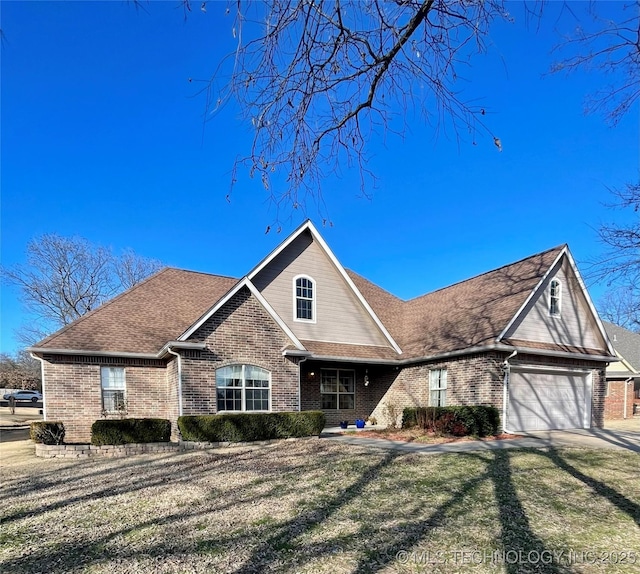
(300, 332)
(623, 375)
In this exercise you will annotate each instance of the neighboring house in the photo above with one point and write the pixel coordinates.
(299, 332)
(623, 375)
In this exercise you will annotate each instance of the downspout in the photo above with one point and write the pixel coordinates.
(44, 396)
(505, 385)
(179, 379)
(624, 412)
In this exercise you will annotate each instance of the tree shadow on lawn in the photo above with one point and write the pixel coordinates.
(66, 557)
(105, 481)
(268, 547)
(632, 509)
(84, 469)
(516, 533)
(524, 551)
(73, 554)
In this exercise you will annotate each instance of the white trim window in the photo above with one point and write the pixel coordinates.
(438, 388)
(114, 389)
(304, 298)
(338, 389)
(243, 388)
(555, 297)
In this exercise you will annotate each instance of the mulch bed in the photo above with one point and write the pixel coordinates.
(412, 435)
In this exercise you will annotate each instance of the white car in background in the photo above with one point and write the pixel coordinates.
(33, 396)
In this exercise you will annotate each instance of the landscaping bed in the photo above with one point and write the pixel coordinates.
(420, 436)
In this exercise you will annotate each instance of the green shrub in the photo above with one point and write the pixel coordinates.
(477, 420)
(246, 427)
(125, 431)
(47, 432)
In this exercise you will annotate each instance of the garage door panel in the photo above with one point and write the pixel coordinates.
(547, 400)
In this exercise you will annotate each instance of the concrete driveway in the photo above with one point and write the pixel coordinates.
(590, 438)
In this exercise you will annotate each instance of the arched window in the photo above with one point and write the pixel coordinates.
(243, 388)
(304, 299)
(555, 297)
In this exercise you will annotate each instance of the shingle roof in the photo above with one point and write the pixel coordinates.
(625, 342)
(345, 351)
(146, 317)
(468, 314)
(388, 307)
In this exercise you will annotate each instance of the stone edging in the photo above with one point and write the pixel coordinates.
(89, 450)
(111, 451)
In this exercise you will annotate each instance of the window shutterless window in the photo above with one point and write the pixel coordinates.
(243, 388)
(338, 389)
(555, 297)
(438, 388)
(114, 389)
(304, 296)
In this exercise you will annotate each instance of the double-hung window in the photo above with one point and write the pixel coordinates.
(555, 297)
(114, 389)
(338, 389)
(243, 388)
(304, 297)
(438, 388)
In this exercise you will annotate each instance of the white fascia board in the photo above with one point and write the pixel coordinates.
(624, 363)
(565, 252)
(534, 291)
(85, 352)
(249, 285)
(356, 291)
(269, 258)
(207, 315)
(188, 345)
(308, 225)
(523, 350)
(317, 237)
(274, 315)
(592, 307)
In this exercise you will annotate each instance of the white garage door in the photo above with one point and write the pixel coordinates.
(544, 400)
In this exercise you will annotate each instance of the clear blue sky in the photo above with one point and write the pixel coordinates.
(102, 137)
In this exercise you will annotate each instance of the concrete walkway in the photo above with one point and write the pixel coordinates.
(621, 436)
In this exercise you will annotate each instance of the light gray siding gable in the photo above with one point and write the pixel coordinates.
(575, 324)
(338, 314)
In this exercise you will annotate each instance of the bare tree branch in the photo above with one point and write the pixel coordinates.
(65, 278)
(613, 49)
(130, 268)
(622, 306)
(619, 266)
(316, 79)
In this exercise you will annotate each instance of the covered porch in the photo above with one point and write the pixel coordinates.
(346, 390)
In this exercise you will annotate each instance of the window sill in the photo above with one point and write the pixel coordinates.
(240, 412)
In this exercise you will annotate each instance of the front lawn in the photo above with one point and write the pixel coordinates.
(319, 506)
